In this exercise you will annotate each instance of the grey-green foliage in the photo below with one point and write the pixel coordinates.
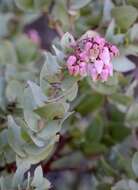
(37, 181)
(33, 136)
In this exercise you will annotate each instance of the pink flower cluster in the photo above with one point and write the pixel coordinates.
(92, 57)
(34, 36)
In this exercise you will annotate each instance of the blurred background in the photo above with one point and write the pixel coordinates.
(97, 149)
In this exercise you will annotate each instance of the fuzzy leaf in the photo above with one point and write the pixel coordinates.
(123, 64)
(125, 15)
(51, 110)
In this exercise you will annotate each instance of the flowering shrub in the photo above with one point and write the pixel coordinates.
(92, 56)
(68, 105)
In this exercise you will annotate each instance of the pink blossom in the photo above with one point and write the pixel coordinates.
(74, 70)
(84, 56)
(114, 50)
(71, 60)
(92, 72)
(88, 45)
(105, 56)
(104, 75)
(83, 70)
(110, 69)
(34, 36)
(99, 66)
(100, 41)
(92, 57)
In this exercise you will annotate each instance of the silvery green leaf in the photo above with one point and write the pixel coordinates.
(39, 142)
(6, 182)
(135, 163)
(118, 39)
(69, 88)
(49, 72)
(24, 4)
(32, 120)
(29, 18)
(4, 20)
(67, 40)
(131, 50)
(123, 64)
(39, 181)
(110, 30)
(121, 101)
(125, 15)
(26, 49)
(107, 88)
(37, 154)
(78, 4)
(2, 93)
(60, 55)
(38, 177)
(7, 53)
(37, 93)
(14, 137)
(14, 91)
(133, 32)
(125, 184)
(19, 174)
(132, 115)
(51, 110)
(108, 5)
(50, 130)
(51, 66)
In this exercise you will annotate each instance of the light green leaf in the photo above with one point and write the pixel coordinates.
(37, 93)
(133, 33)
(14, 137)
(135, 163)
(39, 181)
(19, 174)
(123, 64)
(14, 91)
(2, 93)
(32, 120)
(49, 72)
(51, 110)
(106, 88)
(122, 101)
(67, 40)
(38, 177)
(108, 5)
(125, 184)
(70, 88)
(25, 4)
(50, 130)
(37, 154)
(78, 4)
(26, 49)
(4, 20)
(7, 53)
(132, 115)
(94, 131)
(125, 15)
(110, 30)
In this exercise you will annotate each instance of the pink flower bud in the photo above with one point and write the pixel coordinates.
(93, 73)
(84, 56)
(88, 45)
(114, 50)
(71, 60)
(98, 66)
(104, 75)
(99, 40)
(105, 56)
(34, 36)
(83, 70)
